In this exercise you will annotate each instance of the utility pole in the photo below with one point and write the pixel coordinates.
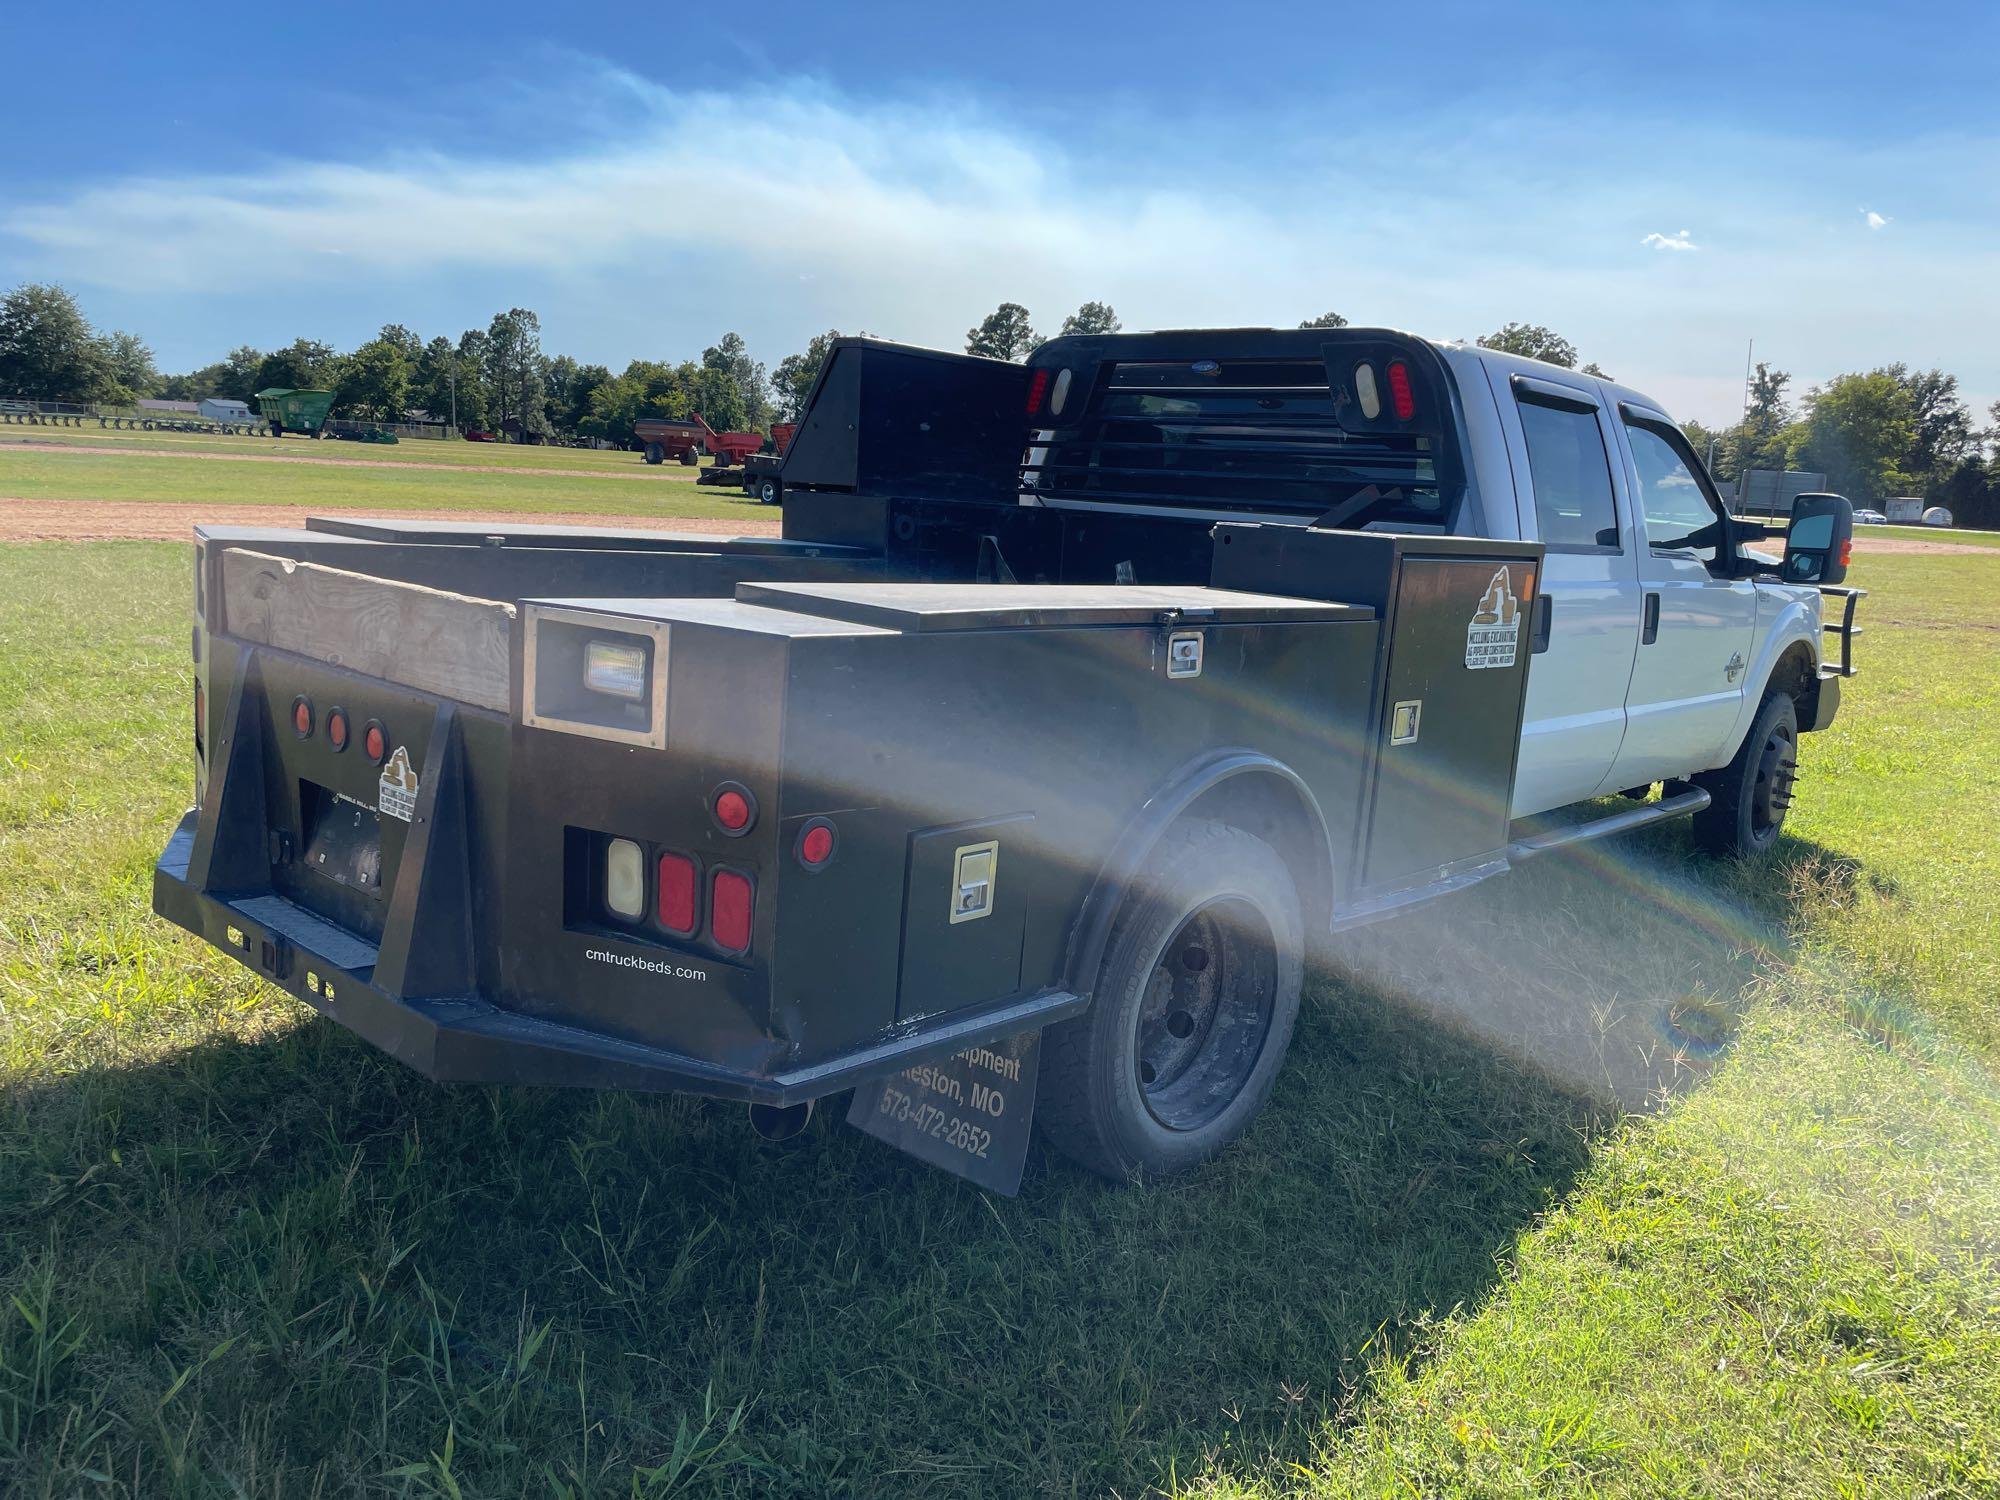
(1748, 355)
(453, 372)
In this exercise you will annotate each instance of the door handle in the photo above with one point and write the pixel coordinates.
(1538, 635)
(1649, 629)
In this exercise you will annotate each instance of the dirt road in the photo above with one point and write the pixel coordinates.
(637, 470)
(152, 520)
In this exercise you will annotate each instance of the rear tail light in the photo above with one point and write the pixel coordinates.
(733, 808)
(1400, 394)
(624, 879)
(336, 728)
(375, 742)
(1038, 385)
(679, 898)
(302, 717)
(731, 898)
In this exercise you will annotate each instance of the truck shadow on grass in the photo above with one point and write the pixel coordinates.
(358, 1267)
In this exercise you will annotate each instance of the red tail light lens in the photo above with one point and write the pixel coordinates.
(680, 885)
(1038, 386)
(734, 808)
(302, 717)
(1401, 396)
(816, 845)
(375, 743)
(731, 898)
(336, 728)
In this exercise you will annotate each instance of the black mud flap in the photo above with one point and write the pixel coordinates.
(969, 1113)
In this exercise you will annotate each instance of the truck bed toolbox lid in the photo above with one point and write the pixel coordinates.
(995, 606)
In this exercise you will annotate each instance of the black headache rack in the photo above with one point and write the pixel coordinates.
(1108, 458)
(1339, 427)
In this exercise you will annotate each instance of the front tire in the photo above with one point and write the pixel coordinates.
(1750, 795)
(1191, 1014)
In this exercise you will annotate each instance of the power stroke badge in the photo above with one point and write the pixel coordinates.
(1494, 636)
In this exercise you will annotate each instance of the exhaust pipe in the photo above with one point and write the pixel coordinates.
(780, 1122)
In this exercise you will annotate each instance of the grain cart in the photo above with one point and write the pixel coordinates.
(1013, 780)
(685, 441)
(288, 410)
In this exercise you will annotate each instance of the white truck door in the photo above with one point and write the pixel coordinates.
(1587, 610)
(1697, 624)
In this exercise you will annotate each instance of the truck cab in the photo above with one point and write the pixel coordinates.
(1659, 628)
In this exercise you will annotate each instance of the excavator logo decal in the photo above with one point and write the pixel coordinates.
(1495, 632)
(396, 793)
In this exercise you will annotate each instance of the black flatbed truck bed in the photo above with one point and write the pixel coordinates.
(874, 686)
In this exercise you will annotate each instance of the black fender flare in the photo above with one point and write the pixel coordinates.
(1165, 806)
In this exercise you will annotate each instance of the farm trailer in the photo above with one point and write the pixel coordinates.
(768, 819)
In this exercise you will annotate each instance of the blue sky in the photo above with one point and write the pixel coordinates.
(1658, 183)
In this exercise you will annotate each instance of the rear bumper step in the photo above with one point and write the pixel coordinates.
(469, 1040)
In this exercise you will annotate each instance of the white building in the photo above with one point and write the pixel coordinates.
(214, 409)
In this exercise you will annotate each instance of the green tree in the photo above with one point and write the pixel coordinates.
(435, 374)
(1004, 333)
(1859, 431)
(132, 364)
(374, 381)
(1092, 317)
(239, 377)
(303, 364)
(1534, 342)
(793, 380)
(1763, 438)
(1325, 320)
(49, 351)
(475, 403)
(730, 355)
(513, 370)
(582, 384)
(1944, 425)
(646, 388)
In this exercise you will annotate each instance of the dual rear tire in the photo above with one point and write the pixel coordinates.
(1193, 1010)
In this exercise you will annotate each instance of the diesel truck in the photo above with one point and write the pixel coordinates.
(1016, 779)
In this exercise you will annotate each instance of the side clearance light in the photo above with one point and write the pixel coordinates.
(679, 898)
(816, 844)
(733, 808)
(624, 879)
(302, 717)
(336, 728)
(731, 898)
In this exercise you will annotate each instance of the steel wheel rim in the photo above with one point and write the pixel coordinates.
(1771, 796)
(1205, 1013)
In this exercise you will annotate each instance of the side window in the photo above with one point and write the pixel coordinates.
(1681, 515)
(1571, 474)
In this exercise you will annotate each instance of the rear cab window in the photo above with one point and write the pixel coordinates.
(1575, 507)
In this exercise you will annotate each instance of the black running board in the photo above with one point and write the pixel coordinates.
(1679, 805)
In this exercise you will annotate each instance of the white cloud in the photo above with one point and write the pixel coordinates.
(1875, 220)
(1677, 241)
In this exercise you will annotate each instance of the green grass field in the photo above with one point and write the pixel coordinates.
(244, 1255)
(44, 474)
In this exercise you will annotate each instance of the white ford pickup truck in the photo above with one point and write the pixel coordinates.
(1015, 779)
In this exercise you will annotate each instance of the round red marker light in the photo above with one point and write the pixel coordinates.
(302, 717)
(375, 743)
(816, 845)
(336, 728)
(733, 809)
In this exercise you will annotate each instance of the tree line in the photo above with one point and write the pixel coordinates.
(1893, 430)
